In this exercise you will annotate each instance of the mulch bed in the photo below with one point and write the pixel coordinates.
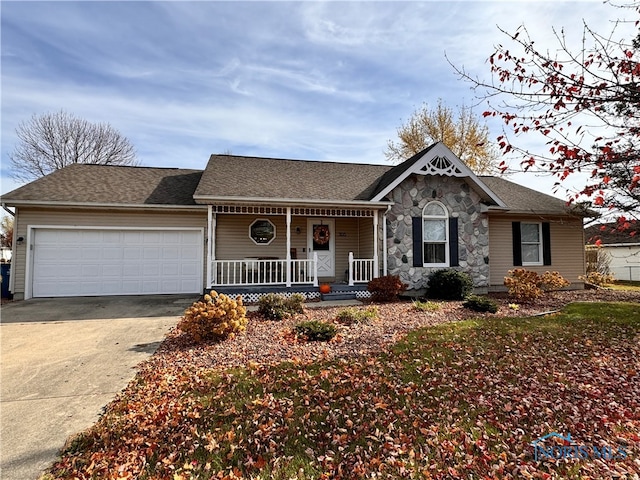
(271, 342)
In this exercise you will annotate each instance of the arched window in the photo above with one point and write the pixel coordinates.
(435, 235)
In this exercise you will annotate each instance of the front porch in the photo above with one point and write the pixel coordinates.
(287, 249)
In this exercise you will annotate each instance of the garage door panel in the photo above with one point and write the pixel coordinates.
(73, 262)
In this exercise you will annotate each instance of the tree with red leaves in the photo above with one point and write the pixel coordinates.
(584, 102)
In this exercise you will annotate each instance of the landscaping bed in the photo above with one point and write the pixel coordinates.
(272, 342)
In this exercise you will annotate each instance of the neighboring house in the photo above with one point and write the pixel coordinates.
(620, 249)
(248, 224)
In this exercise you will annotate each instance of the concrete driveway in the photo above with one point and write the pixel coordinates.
(62, 360)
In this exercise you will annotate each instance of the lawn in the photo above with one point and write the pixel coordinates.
(462, 399)
(625, 285)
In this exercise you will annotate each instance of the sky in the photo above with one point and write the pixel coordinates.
(301, 80)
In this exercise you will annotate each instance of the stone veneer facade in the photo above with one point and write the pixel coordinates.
(409, 199)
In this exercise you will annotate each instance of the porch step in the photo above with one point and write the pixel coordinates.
(328, 297)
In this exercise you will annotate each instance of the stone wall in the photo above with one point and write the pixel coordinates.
(409, 199)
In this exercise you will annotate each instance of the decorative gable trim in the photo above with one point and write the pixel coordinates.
(442, 166)
(439, 160)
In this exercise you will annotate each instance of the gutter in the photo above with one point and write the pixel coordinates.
(292, 201)
(39, 203)
(6, 209)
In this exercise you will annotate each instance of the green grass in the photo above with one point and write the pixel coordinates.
(459, 400)
(625, 285)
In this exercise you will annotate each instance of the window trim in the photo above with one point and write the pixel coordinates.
(540, 244)
(446, 242)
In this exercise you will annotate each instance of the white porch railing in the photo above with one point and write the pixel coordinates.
(250, 271)
(361, 270)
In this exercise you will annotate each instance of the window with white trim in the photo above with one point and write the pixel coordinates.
(435, 235)
(531, 243)
(262, 231)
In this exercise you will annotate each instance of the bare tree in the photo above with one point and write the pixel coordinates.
(462, 133)
(6, 231)
(51, 141)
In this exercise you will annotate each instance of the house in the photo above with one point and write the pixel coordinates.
(619, 248)
(249, 225)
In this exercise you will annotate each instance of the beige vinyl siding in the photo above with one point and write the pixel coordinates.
(567, 248)
(365, 238)
(26, 217)
(346, 241)
(233, 241)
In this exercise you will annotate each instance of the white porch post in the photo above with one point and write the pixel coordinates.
(288, 264)
(375, 244)
(315, 269)
(210, 244)
(384, 241)
(350, 269)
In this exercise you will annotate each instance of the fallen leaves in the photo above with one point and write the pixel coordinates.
(454, 400)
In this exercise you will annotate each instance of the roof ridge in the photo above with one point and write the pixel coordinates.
(253, 157)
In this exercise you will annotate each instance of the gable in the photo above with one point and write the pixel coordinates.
(434, 160)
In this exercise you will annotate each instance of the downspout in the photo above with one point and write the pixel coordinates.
(384, 241)
(12, 278)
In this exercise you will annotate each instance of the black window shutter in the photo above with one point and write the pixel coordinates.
(417, 241)
(517, 243)
(546, 243)
(453, 242)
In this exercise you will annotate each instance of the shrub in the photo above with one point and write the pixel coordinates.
(349, 316)
(273, 306)
(426, 306)
(597, 278)
(449, 284)
(551, 281)
(527, 286)
(386, 289)
(316, 331)
(215, 317)
(295, 303)
(480, 304)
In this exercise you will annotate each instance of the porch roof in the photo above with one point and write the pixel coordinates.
(230, 177)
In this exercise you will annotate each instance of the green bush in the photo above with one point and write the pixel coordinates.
(274, 306)
(480, 304)
(386, 289)
(349, 316)
(426, 306)
(215, 317)
(449, 284)
(316, 331)
(295, 303)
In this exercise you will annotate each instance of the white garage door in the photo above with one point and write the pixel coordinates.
(85, 262)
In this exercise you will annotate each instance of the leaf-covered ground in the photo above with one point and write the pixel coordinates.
(453, 399)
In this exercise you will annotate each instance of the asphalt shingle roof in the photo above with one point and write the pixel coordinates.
(521, 199)
(269, 178)
(107, 184)
(229, 176)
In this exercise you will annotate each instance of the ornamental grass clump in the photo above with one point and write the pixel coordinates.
(215, 317)
(350, 316)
